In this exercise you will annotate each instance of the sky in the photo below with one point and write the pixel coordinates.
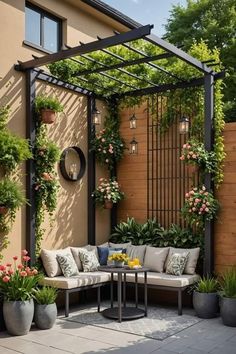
(154, 12)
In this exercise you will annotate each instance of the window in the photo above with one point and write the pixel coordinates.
(42, 29)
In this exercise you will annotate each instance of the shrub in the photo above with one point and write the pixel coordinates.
(45, 295)
(207, 285)
(228, 283)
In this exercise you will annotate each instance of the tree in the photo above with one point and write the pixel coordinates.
(214, 21)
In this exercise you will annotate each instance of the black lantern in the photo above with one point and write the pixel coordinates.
(133, 122)
(133, 147)
(184, 125)
(96, 116)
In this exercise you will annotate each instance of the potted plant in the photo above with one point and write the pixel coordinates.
(17, 283)
(108, 146)
(200, 205)
(47, 107)
(45, 312)
(228, 298)
(11, 199)
(197, 157)
(205, 298)
(108, 193)
(119, 259)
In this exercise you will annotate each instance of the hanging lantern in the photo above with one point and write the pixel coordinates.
(96, 116)
(184, 125)
(133, 147)
(133, 122)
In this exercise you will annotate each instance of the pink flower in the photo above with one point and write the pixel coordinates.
(201, 209)
(10, 271)
(15, 258)
(8, 264)
(190, 153)
(191, 192)
(26, 258)
(181, 158)
(23, 273)
(193, 209)
(6, 279)
(107, 160)
(24, 252)
(187, 195)
(34, 272)
(103, 140)
(3, 268)
(188, 146)
(206, 210)
(203, 188)
(207, 203)
(197, 200)
(194, 156)
(203, 206)
(188, 156)
(184, 146)
(20, 266)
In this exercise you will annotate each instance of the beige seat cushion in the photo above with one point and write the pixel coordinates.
(83, 279)
(50, 263)
(137, 252)
(192, 258)
(155, 258)
(163, 279)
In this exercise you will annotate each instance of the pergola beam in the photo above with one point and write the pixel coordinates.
(87, 48)
(179, 53)
(125, 64)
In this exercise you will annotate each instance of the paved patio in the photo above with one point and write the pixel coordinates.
(207, 336)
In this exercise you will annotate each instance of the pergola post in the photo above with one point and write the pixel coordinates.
(209, 141)
(30, 166)
(91, 174)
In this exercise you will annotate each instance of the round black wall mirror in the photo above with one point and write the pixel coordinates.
(72, 163)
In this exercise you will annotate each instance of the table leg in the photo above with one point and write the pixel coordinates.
(136, 290)
(124, 291)
(145, 292)
(99, 297)
(119, 295)
(111, 290)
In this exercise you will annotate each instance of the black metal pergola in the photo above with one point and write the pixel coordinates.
(142, 87)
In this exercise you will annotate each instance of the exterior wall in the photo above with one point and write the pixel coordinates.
(79, 25)
(225, 227)
(132, 170)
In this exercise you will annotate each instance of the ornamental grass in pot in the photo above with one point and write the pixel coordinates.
(205, 298)
(228, 298)
(45, 312)
(17, 282)
(47, 107)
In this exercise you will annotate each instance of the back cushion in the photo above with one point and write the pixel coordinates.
(192, 258)
(155, 258)
(75, 253)
(119, 245)
(137, 252)
(50, 263)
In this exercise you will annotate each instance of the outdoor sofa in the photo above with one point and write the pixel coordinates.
(154, 258)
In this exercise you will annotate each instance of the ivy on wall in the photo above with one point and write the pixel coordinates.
(46, 154)
(13, 151)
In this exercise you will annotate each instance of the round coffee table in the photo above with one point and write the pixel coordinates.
(125, 312)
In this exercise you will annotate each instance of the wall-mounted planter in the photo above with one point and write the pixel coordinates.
(108, 204)
(48, 116)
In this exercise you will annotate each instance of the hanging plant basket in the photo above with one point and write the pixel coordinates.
(108, 204)
(192, 169)
(3, 210)
(48, 116)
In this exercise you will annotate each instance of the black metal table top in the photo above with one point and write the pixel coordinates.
(113, 269)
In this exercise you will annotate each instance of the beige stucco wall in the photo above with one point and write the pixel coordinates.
(70, 225)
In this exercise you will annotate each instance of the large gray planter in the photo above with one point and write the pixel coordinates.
(45, 315)
(206, 305)
(18, 316)
(228, 311)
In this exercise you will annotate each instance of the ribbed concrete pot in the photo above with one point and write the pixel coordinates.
(18, 316)
(45, 315)
(228, 311)
(206, 305)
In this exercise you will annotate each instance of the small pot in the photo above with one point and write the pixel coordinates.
(3, 210)
(108, 204)
(228, 311)
(48, 116)
(45, 315)
(119, 264)
(193, 169)
(206, 305)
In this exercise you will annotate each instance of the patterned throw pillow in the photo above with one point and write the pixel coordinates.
(89, 260)
(177, 263)
(67, 265)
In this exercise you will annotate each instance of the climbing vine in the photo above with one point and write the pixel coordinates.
(46, 154)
